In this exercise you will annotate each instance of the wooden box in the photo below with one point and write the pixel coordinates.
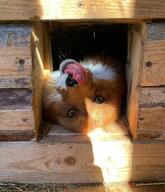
(63, 157)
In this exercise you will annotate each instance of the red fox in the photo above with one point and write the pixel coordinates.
(84, 95)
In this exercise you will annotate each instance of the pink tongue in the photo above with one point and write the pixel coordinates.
(77, 71)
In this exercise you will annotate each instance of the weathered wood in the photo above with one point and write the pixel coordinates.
(151, 118)
(17, 119)
(15, 82)
(15, 54)
(151, 123)
(56, 162)
(153, 67)
(48, 63)
(16, 135)
(152, 97)
(133, 67)
(11, 99)
(15, 62)
(75, 9)
(38, 63)
(15, 35)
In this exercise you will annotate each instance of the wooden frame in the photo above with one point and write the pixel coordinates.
(133, 10)
(70, 158)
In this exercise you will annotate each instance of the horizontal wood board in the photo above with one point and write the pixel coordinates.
(79, 162)
(75, 9)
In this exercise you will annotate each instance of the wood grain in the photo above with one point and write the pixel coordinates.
(38, 64)
(15, 62)
(151, 119)
(15, 35)
(153, 67)
(17, 119)
(15, 54)
(77, 162)
(151, 123)
(76, 9)
(15, 82)
(16, 135)
(11, 99)
(133, 68)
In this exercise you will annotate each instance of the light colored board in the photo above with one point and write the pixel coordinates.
(153, 67)
(14, 120)
(38, 64)
(133, 68)
(15, 62)
(151, 119)
(114, 131)
(75, 9)
(151, 97)
(15, 54)
(151, 123)
(81, 162)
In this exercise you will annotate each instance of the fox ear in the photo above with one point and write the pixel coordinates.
(65, 63)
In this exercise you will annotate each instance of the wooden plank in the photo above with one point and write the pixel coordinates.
(15, 54)
(15, 61)
(153, 67)
(20, 119)
(56, 132)
(81, 162)
(38, 64)
(15, 82)
(133, 68)
(75, 9)
(16, 135)
(12, 99)
(151, 123)
(47, 52)
(151, 120)
(15, 35)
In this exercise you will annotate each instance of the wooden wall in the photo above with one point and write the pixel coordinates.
(18, 66)
(147, 80)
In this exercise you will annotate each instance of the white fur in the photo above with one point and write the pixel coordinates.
(99, 70)
(61, 81)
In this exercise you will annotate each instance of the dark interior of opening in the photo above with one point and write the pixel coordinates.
(80, 40)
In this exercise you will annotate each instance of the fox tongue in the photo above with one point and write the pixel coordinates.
(77, 71)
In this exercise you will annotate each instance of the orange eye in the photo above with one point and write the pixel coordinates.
(98, 99)
(72, 113)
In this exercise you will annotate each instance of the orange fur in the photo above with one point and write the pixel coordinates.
(90, 115)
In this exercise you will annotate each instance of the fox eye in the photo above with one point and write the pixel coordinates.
(72, 113)
(98, 99)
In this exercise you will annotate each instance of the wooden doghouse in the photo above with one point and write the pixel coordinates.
(70, 158)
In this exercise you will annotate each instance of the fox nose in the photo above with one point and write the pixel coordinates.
(70, 82)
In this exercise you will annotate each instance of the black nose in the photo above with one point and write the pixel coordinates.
(70, 82)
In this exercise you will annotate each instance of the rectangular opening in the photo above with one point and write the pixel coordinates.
(77, 40)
